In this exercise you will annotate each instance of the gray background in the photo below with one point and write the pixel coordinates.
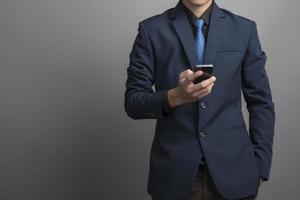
(64, 134)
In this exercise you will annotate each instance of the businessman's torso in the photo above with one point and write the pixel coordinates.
(163, 49)
(172, 48)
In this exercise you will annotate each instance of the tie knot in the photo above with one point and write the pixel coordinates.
(199, 23)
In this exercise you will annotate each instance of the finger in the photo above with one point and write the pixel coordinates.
(193, 76)
(204, 84)
(185, 74)
(201, 96)
(204, 91)
(260, 184)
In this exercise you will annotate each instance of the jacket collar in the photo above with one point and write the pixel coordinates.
(181, 26)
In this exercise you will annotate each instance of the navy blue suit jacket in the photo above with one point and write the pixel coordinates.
(236, 157)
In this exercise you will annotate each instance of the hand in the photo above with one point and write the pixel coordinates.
(187, 91)
(260, 182)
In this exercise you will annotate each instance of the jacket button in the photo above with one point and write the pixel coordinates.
(203, 105)
(202, 134)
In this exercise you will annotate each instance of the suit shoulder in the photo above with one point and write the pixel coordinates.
(238, 18)
(156, 20)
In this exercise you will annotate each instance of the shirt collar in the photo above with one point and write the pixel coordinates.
(192, 17)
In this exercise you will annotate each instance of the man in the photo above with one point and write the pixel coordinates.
(201, 148)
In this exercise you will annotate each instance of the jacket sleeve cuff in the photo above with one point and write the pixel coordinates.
(166, 108)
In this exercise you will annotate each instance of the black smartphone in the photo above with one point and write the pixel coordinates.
(207, 72)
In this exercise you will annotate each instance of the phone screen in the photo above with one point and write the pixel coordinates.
(207, 72)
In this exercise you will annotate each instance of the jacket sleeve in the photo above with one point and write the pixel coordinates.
(141, 102)
(257, 94)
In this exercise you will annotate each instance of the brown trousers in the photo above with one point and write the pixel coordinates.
(204, 188)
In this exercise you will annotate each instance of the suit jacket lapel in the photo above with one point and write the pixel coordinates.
(184, 32)
(182, 28)
(215, 34)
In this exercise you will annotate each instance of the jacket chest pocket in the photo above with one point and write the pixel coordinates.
(227, 68)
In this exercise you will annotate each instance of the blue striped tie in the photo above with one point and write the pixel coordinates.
(199, 40)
